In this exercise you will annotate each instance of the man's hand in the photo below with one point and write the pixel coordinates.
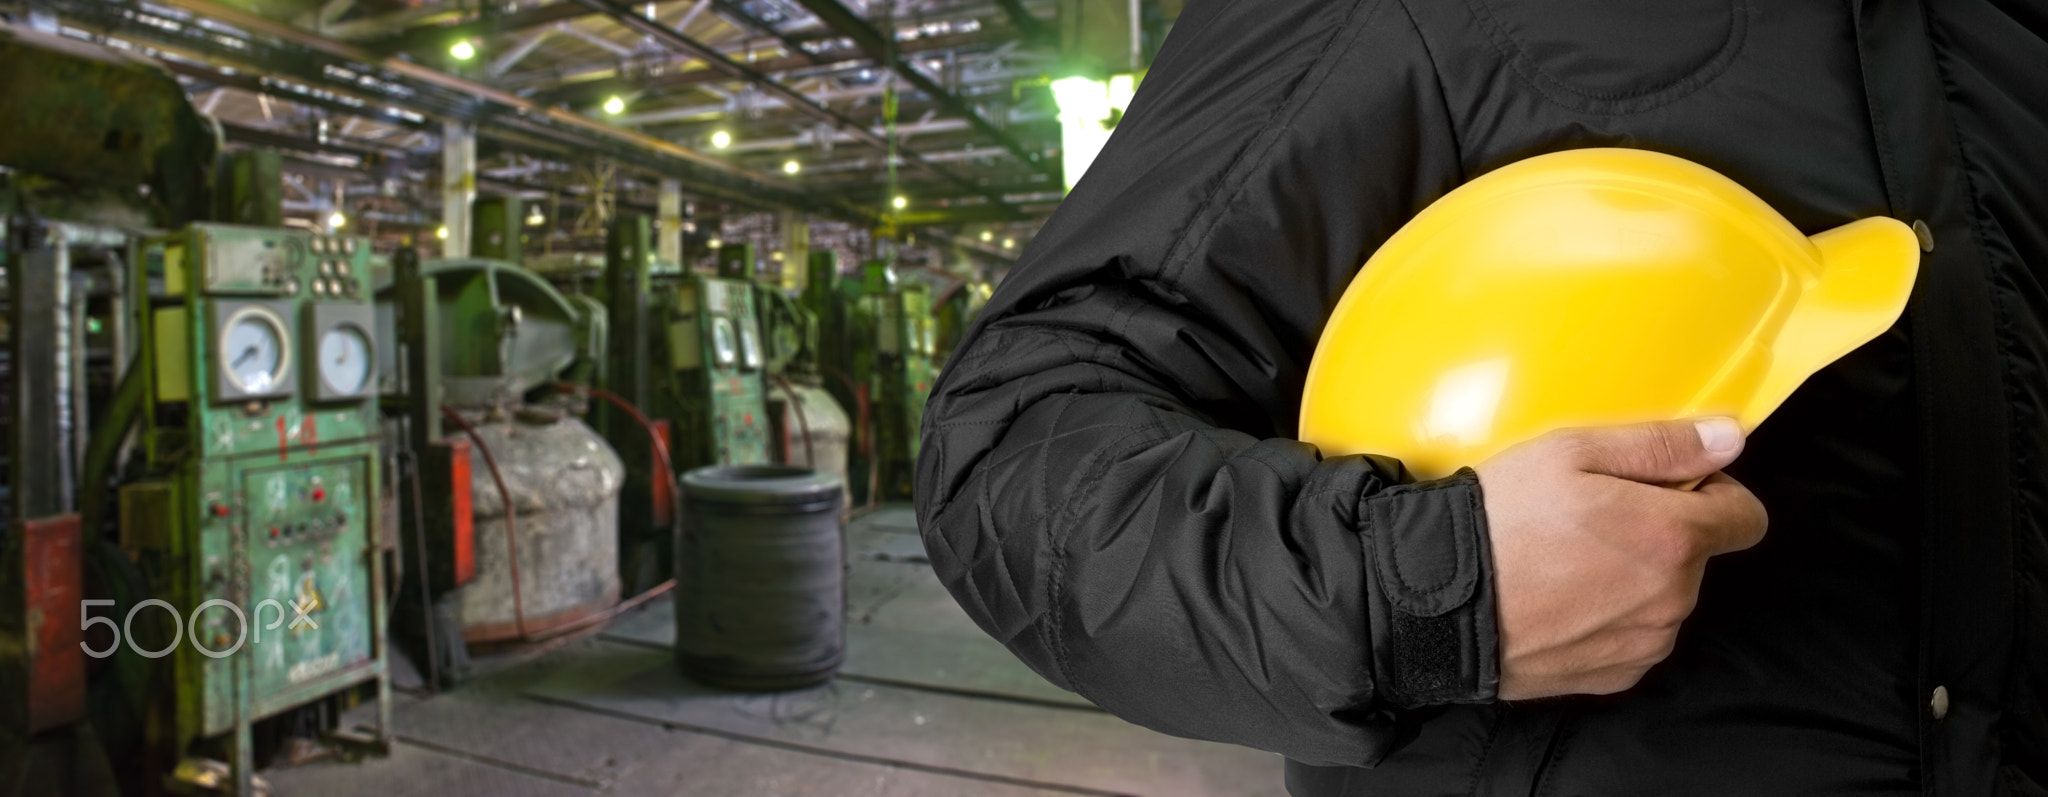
(1595, 564)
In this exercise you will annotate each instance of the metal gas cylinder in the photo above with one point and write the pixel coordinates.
(807, 428)
(565, 482)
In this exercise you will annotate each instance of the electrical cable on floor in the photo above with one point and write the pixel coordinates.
(511, 514)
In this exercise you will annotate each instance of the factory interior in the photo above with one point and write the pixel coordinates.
(522, 397)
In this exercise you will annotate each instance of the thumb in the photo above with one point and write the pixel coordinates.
(1666, 452)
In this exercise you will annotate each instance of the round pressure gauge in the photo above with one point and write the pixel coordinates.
(345, 359)
(254, 354)
(750, 348)
(721, 340)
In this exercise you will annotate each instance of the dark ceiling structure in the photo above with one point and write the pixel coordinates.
(830, 107)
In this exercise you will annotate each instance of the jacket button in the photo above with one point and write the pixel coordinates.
(1939, 703)
(1925, 235)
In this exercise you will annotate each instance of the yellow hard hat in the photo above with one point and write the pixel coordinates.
(1590, 287)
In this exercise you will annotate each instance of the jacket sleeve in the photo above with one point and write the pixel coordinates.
(1108, 482)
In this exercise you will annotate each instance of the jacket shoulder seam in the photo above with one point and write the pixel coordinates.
(1211, 212)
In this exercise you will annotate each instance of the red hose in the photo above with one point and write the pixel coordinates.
(511, 513)
(675, 498)
(796, 403)
(867, 440)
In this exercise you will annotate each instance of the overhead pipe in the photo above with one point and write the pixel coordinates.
(883, 50)
(718, 61)
(305, 38)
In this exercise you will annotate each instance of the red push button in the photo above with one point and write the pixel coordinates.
(220, 510)
(319, 494)
(274, 532)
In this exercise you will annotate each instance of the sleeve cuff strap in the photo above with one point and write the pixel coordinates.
(1430, 593)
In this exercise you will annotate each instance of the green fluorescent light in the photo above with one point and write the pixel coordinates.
(462, 50)
(614, 105)
(1086, 108)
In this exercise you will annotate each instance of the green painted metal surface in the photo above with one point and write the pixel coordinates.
(877, 339)
(715, 357)
(264, 494)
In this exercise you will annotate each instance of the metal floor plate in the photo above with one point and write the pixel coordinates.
(1064, 749)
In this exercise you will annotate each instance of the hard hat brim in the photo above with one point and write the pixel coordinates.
(1867, 273)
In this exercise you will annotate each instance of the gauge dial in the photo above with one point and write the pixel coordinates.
(253, 352)
(750, 348)
(721, 340)
(345, 360)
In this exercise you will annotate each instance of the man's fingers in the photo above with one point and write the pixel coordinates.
(1668, 452)
(1726, 514)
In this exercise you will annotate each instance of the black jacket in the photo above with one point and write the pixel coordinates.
(1110, 486)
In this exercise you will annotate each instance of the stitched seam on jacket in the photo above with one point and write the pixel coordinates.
(1261, 146)
(1049, 632)
(1614, 103)
(1443, 94)
(1056, 574)
(2001, 332)
(1887, 165)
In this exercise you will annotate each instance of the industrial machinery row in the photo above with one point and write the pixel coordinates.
(246, 460)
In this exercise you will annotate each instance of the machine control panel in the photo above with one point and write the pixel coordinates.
(263, 262)
(266, 341)
(715, 346)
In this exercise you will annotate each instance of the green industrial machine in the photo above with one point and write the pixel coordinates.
(257, 386)
(877, 339)
(688, 352)
(955, 310)
(905, 339)
(498, 228)
(716, 352)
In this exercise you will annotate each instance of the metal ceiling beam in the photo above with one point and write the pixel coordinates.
(718, 62)
(537, 133)
(309, 39)
(1032, 27)
(883, 50)
(429, 36)
(735, 11)
(257, 85)
(585, 90)
(285, 141)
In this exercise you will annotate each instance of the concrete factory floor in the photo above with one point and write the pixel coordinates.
(926, 706)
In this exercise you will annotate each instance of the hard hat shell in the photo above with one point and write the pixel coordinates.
(1590, 287)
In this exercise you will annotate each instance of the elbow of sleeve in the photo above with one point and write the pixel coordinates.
(1430, 593)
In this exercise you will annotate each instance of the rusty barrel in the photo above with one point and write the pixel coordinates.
(760, 577)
